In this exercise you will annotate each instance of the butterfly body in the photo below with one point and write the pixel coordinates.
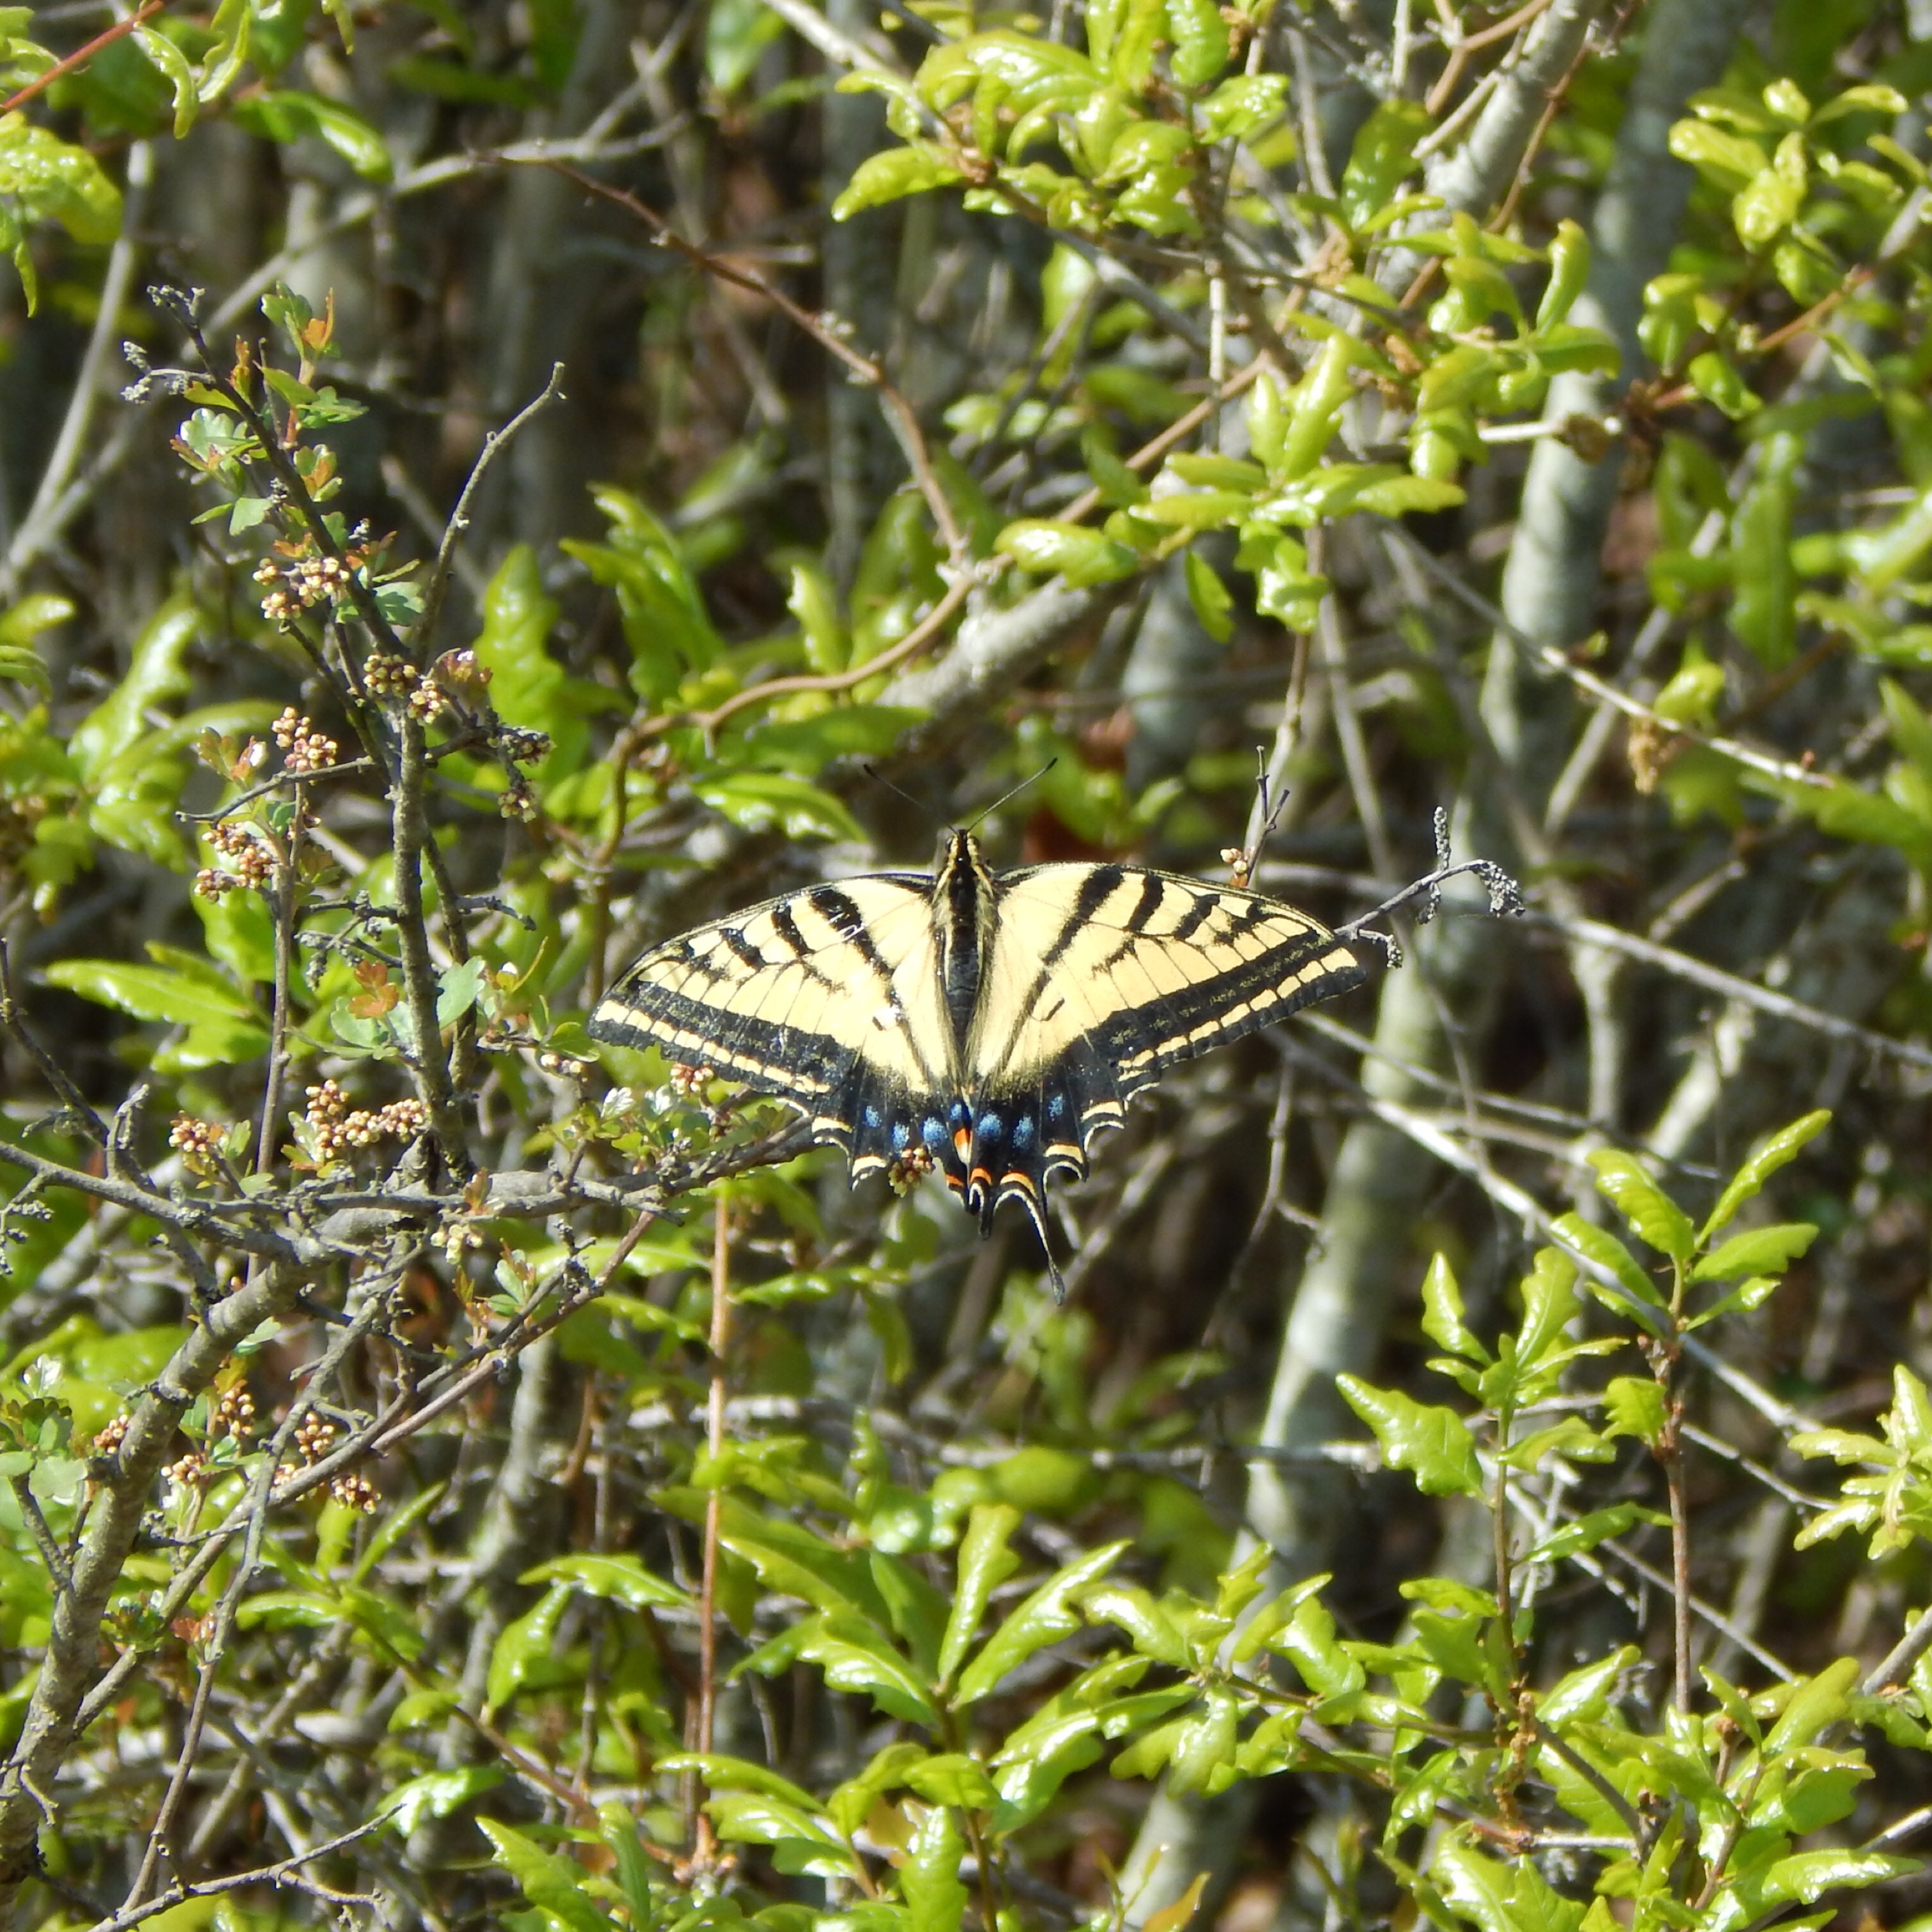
(998, 1022)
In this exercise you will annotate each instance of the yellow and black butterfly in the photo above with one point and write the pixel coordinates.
(998, 1022)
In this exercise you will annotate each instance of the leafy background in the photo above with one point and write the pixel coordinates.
(483, 487)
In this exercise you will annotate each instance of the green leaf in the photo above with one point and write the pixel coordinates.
(722, 1772)
(1044, 1618)
(1083, 557)
(1500, 1898)
(984, 1563)
(815, 603)
(1817, 1703)
(1774, 1151)
(284, 116)
(929, 1882)
(623, 1579)
(891, 176)
(1756, 1251)
(855, 1655)
(1569, 270)
(1383, 151)
(953, 1778)
(1604, 1252)
(438, 1793)
(1442, 1313)
(1649, 1210)
(1308, 1641)
(53, 180)
(528, 686)
(1549, 1303)
(555, 1885)
(175, 69)
(1636, 1406)
(1729, 160)
(524, 1643)
(155, 993)
(1213, 603)
(764, 801)
(1764, 612)
(1433, 1443)
(1580, 1537)
(1153, 1632)
(156, 674)
(1572, 1437)
(1806, 1876)
(21, 664)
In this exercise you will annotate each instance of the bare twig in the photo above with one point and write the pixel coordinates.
(422, 633)
(80, 56)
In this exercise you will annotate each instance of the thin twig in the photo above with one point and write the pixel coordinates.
(282, 1874)
(80, 56)
(905, 418)
(422, 633)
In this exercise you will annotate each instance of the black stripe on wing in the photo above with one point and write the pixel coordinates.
(1143, 1041)
(796, 1064)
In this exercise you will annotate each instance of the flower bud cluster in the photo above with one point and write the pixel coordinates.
(199, 1142)
(385, 676)
(314, 1437)
(308, 581)
(906, 1170)
(340, 1130)
(304, 749)
(688, 1083)
(356, 1491)
(519, 747)
(251, 857)
(234, 1413)
(189, 1471)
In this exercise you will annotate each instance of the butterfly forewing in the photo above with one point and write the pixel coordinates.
(1146, 967)
(827, 997)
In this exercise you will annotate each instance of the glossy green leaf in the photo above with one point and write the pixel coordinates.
(1756, 1250)
(1044, 1618)
(438, 1794)
(1433, 1444)
(1603, 1251)
(892, 175)
(1649, 1210)
(1442, 1313)
(621, 1579)
(1776, 1150)
(554, 1885)
(1081, 557)
(984, 1562)
(935, 1894)
(523, 1645)
(1635, 1406)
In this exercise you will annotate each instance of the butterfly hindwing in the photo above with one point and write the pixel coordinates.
(827, 997)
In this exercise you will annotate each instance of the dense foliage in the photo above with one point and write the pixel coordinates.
(483, 487)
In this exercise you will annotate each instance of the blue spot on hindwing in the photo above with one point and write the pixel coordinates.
(1023, 1132)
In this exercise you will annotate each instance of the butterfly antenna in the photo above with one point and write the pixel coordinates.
(878, 777)
(1014, 793)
